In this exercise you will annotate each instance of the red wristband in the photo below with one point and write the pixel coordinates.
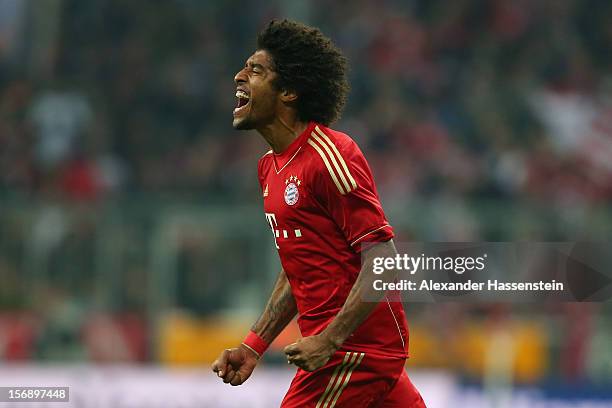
(255, 343)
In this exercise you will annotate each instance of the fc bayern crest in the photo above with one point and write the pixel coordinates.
(291, 194)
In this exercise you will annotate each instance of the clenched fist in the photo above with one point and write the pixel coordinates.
(310, 353)
(235, 365)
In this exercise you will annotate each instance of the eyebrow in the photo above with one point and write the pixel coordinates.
(255, 65)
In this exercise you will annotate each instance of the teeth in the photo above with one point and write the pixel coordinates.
(242, 95)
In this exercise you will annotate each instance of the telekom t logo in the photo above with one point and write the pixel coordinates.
(278, 233)
(271, 218)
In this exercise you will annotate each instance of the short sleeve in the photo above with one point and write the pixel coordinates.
(344, 186)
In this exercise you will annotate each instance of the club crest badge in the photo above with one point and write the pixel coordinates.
(292, 193)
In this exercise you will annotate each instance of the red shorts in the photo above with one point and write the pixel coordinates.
(354, 380)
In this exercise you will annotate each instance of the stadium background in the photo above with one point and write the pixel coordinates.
(132, 243)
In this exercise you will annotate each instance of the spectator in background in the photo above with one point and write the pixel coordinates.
(59, 118)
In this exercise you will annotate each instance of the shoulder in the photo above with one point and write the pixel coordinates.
(332, 155)
(264, 164)
(266, 158)
(266, 155)
(322, 137)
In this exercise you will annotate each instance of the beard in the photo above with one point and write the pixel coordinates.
(255, 118)
(244, 123)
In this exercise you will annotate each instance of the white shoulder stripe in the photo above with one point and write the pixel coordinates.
(331, 172)
(333, 160)
(340, 159)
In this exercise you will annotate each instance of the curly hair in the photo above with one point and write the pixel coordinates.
(309, 64)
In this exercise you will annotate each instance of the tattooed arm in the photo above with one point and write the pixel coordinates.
(236, 365)
(279, 311)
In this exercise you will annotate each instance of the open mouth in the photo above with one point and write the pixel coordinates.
(243, 99)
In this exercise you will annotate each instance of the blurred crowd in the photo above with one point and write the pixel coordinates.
(474, 99)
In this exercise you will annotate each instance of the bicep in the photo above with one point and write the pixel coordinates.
(384, 249)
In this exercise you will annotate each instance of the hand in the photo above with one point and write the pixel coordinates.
(235, 365)
(310, 353)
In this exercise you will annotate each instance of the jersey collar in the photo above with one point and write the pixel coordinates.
(281, 160)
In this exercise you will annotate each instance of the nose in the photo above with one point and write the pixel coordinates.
(240, 77)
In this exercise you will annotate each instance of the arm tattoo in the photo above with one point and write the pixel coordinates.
(279, 310)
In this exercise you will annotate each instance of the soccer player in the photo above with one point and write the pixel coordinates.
(322, 206)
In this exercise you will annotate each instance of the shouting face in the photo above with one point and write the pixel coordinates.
(256, 93)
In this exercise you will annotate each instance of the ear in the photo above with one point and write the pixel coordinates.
(288, 95)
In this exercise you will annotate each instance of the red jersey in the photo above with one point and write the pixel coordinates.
(321, 203)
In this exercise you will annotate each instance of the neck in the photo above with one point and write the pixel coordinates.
(280, 133)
